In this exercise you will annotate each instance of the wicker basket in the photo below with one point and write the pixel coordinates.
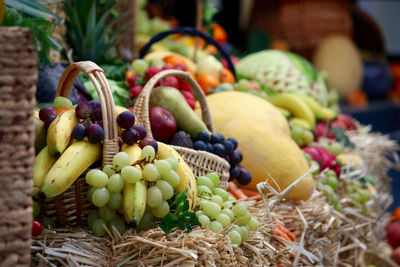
(72, 207)
(18, 77)
(201, 162)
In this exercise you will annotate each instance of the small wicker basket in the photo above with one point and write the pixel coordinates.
(18, 77)
(201, 162)
(72, 207)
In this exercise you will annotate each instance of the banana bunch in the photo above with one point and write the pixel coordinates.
(305, 109)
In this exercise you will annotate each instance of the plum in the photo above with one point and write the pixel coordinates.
(393, 233)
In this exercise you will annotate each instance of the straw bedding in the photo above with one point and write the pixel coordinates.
(325, 237)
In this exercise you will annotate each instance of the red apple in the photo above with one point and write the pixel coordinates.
(135, 91)
(131, 80)
(312, 152)
(163, 124)
(347, 120)
(393, 233)
(322, 130)
(170, 81)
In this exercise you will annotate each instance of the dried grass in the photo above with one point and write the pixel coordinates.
(325, 237)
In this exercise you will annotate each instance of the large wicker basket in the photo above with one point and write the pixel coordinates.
(72, 207)
(18, 77)
(201, 162)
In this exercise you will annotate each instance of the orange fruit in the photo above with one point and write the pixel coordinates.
(174, 60)
(129, 73)
(191, 74)
(61, 110)
(357, 98)
(219, 33)
(227, 76)
(207, 81)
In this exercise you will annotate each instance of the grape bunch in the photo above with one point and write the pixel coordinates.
(227, 149)
(218, 210)
(91, 122)
(48, 114)
(300, 135)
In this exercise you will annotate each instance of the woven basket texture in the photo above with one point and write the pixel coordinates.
(18, 77)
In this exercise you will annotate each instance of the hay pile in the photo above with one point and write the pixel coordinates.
(325, 237)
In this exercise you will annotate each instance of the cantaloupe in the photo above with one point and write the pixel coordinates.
(264, 139)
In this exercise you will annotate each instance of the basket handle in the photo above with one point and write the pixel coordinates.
(192, 32)
(141, 107)
(96, 75)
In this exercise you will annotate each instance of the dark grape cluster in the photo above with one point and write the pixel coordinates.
(227, 149)
(91, 122)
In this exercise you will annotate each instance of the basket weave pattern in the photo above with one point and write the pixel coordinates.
(18, 77)
(201, 162)
(72, 207)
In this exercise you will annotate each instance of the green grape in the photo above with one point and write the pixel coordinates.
(211, 209)
(172, 178)
(204, 220)
(154, 197)
(163, 166)
(239, 210)
(335, 148)
(339, 207)
(148, 153)
(100, 197)
(158, 63)
(98, 227)
(228, 204)
(357, 184)
(229, 213)
(165, 188)
(227, 86)
(328, 191)
(216, 227)
(218, 200)
(202, 203)
(297, 133)
(204, 180)
(106, 213)
(221, 192)
(307, 156)
(90, 193)
(115, 183)
(173, 162)
(334, 199)
(235, 236)
(109, 170)
(91, 174)
(36, 209)
(245, 219)
(231, 198)
(223, 219)
(214, 177)
(330, 173)
(356, 197)
(314, 165)
(160, 211)
(145, 222)
(150, 173)
(244, 233)
(119, 224)
(131, 174)
(120, 160)
(199, 213)
(365, 195)
(332, 181)
(99, 179)
(115, 201)
(308, 137)
(203, 190)
(93, 215)
(62, 102)
(140, 65)
(253, 224)
(243, 85)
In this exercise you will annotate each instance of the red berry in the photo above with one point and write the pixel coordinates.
(151, 71)
(170, 81)
(37, 228)
(184, 86)
(132, 80)
(167, 67)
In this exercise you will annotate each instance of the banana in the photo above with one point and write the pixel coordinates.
(43, 162)
(328, 114)
(72, 163)
(133, 151)
(313, 104)
(284, 112)
(188, 180)
(301, 123)
(119, 110)
(295, 105)
(134, 201)
(59, 132)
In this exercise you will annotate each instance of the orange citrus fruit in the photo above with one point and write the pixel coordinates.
(174, 60)
(207, 81)
(227, 76)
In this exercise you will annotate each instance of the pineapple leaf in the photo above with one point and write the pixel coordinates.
(34, 9)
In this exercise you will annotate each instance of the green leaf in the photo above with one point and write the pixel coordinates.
(209, 12)
(342, 138)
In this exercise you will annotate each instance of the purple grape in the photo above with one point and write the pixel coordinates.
(83, 111)
(46, 112)
(244, 176)
(236, 157)
(234, 142)
(87, 123)
(203, 136)
(217, 138)
(49, 120)
(199, 145)
(141, 130)
(209, 148)
(219, 150)
(101, 124)
(79, 131)
(96, 107)
(130, 136)
(126, 119)
(95, 133)
(227, 157)
(234, 172)
(228, 146)
(147, 141)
